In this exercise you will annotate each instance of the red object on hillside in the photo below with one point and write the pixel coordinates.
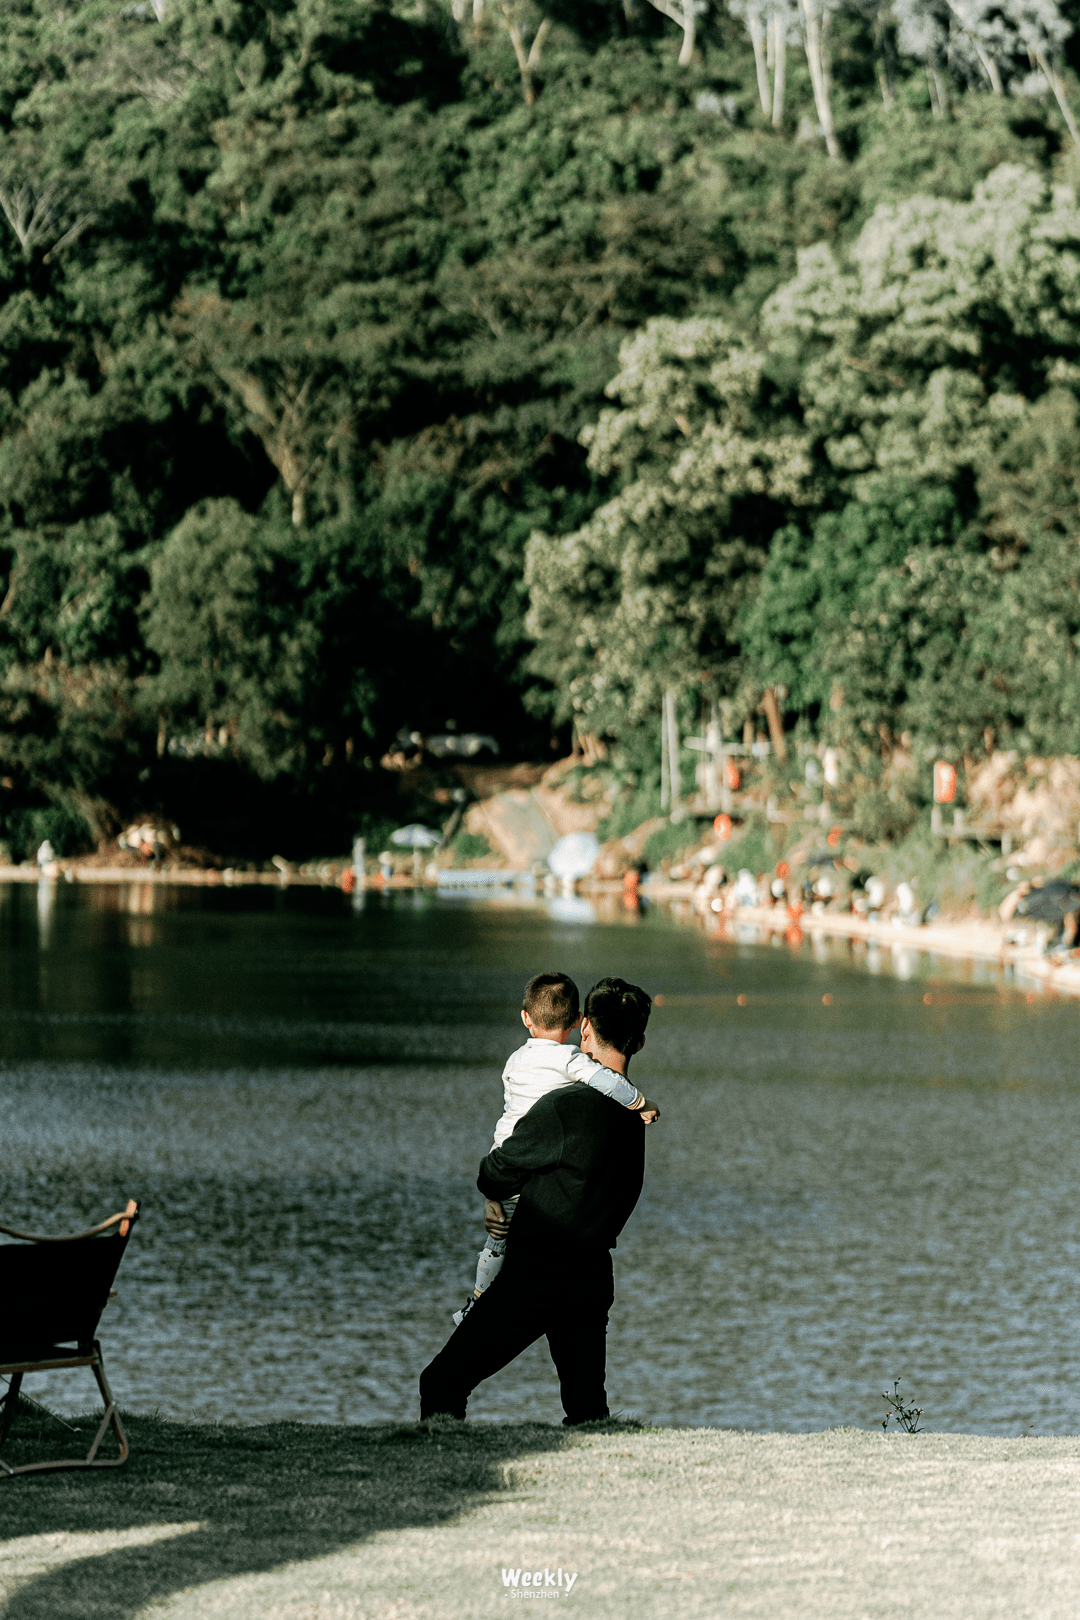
(723, 827)
(732, 775)
(835, 835)
(783, 870)
(944, 783)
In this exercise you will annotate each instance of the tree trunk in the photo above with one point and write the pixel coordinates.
(939, 95)
(815, 59)
(825, 59)
(685, 14)
(1053, 78)
(538, 43)
(526, 62)
(881, 63)
(990, 68)
(756, 29)
(522, 60)
(779, 45)
(689, 27)
(775, 722)
(672, 721)
(279, 427)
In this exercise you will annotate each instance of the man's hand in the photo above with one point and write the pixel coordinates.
(495, 1219)
(649, 1112)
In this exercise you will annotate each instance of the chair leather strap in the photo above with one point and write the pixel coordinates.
(126, 1217)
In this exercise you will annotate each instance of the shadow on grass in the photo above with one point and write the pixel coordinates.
(264, 1496)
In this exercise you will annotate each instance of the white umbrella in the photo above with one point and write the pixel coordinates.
(574, 855)
(415, 836)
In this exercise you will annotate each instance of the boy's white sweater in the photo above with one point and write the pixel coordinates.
(542, 1066)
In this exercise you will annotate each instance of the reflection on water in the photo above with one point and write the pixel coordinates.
(46, 895)
(867, 1166)
(571, 908)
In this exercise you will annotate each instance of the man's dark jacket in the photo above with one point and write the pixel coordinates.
(578, 1160)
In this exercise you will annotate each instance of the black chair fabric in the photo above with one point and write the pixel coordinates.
(54, 1293)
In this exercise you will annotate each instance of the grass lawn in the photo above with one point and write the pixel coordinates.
(401, 1521)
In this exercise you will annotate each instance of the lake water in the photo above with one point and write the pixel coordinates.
(300, 1088)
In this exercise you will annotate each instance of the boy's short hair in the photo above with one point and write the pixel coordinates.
(618, 1012)
(551, 1001)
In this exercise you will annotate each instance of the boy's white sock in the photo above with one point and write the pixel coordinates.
(488, 1266)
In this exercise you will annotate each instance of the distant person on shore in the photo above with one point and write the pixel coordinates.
(573, 1165)
(551, 1011)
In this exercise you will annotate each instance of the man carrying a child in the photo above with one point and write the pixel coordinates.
(572, 1168)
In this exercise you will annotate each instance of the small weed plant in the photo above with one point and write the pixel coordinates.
(900, 1411)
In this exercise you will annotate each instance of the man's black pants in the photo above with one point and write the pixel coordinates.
(567, 1299)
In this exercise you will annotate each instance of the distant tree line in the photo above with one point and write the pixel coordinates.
(308, 314)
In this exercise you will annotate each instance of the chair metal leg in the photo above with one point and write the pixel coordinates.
(112, 1416)
(7, 1411)
(111, 1420)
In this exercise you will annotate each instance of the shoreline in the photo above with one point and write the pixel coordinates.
(977, 939)
(205, 876)
(971, 939)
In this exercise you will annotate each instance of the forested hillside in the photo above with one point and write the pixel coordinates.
(371, 366)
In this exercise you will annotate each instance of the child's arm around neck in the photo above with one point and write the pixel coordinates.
(612, 1058)
(607, 1056)
(600, 1052)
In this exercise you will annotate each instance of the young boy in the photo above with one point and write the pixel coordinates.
(550, 1012)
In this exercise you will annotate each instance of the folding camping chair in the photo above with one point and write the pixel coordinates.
(52, 1294)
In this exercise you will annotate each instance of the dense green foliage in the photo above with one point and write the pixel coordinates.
(305, 312)
(909, 407)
